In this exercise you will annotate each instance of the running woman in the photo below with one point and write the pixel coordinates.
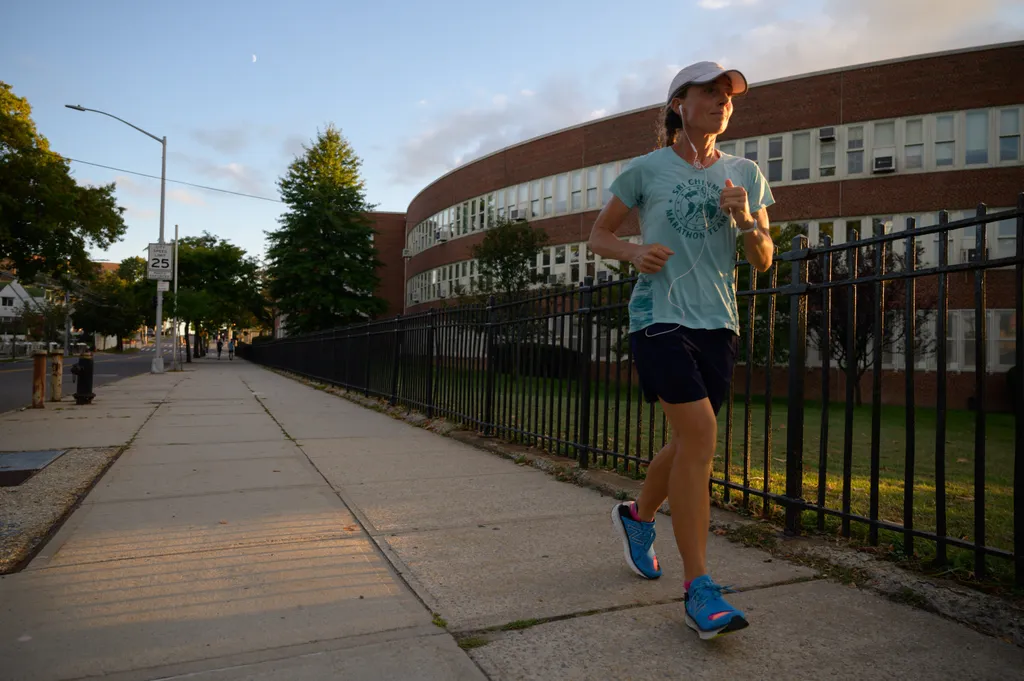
(693, 203)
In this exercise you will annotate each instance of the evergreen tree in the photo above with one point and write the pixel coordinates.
(322, 263)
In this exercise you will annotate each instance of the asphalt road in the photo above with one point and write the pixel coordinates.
(16, 377)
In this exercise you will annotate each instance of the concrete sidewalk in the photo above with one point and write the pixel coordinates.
(257, 528)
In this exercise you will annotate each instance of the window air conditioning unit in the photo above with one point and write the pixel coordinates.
(552, 279)
(443, 290)
(603, 276)
(406, 253)
(513, 214)
(415, 299)
(884, 161)
(971, 254)
(444, 234)
(826, 134)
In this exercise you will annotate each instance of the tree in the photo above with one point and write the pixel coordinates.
(322, 263)
(506, 257)
(218, 285)
(866, 348)
(46, 218)
(115, 303)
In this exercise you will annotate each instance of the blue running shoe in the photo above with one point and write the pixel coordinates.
(637, 542)
(707, 613)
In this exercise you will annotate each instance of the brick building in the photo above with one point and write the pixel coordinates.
(859, 148)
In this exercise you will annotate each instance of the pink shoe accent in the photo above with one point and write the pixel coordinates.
(686, 584)
(632, 512)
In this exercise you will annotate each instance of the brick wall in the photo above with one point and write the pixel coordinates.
(389, 240)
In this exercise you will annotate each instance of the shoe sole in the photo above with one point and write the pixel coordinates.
(735, 624)
(617, 522)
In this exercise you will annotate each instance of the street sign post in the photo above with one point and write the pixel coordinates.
(161, 263)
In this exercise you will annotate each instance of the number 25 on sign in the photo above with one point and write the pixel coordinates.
(160, 263)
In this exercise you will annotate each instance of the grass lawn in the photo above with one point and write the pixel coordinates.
(533, 404)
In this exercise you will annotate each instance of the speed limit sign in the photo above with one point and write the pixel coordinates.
(160, 265)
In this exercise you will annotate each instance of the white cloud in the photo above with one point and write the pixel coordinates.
(225, 140)
(422, 102)
(722, 4)
(773, 40)
(241, 177)
(150, 189)
(186, 197)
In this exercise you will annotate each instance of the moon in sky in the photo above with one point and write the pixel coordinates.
(254, 59)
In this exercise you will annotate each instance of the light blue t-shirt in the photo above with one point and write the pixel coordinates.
(679, 208)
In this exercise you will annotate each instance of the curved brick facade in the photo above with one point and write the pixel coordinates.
(859, 97)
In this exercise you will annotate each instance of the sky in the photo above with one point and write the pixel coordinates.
(417, 88)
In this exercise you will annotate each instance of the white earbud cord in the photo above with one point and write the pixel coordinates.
(707, 228)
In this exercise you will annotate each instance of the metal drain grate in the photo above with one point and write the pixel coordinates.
(17, 467)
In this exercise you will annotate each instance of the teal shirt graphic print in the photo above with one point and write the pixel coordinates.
(679, 208)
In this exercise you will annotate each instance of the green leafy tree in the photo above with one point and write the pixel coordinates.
(218, 286)
(46, 219)
(506, 257)
(113, 304)
(322, 263)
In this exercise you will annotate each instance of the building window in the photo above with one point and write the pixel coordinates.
(482, 213)
(727, 148)
(501, 205)
(1004, 337)
(577, 190)
(465, 218)
(6, 302)
(474, 222)
(1009, 135)
(549, 189)
(885, 135)
(574, 263)
(750, 150)
(1005, 238)
(608, 175)
(827, 164)
(913, 146)
(944, 140)
(855, 150)
(775, 159)
(561, 193)
(801, 156)
(524, 200)
(825, 229)
(977, 137)
(592, 188)
(535, 199)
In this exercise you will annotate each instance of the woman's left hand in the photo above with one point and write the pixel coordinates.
(734, 201)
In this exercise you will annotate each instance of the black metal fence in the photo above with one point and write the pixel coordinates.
(554, 371)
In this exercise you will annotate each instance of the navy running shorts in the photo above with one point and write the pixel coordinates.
(684, 365)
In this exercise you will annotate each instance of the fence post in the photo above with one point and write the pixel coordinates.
(430, 363)
(492, 316)
(366, 363)
(795, 395)
(586, 331)
(397, 361)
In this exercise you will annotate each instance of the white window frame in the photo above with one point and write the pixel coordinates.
(984, 115)
(1000, 135)
(856, 150)
(793, 157)
(780, 159)
(945, 140)
(906, 144)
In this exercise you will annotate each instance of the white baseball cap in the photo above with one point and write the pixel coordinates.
(705, 72)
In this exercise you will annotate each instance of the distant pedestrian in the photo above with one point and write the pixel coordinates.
(231, 349)
(220, 346)
(694, 202)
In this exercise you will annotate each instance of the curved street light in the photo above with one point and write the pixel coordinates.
(157, 366)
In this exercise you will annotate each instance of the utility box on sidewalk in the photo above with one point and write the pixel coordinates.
(83, 372)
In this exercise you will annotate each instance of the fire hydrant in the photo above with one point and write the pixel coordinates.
(56, 375)
(83, 373)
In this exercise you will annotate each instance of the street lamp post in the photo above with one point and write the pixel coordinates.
(157, 366)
